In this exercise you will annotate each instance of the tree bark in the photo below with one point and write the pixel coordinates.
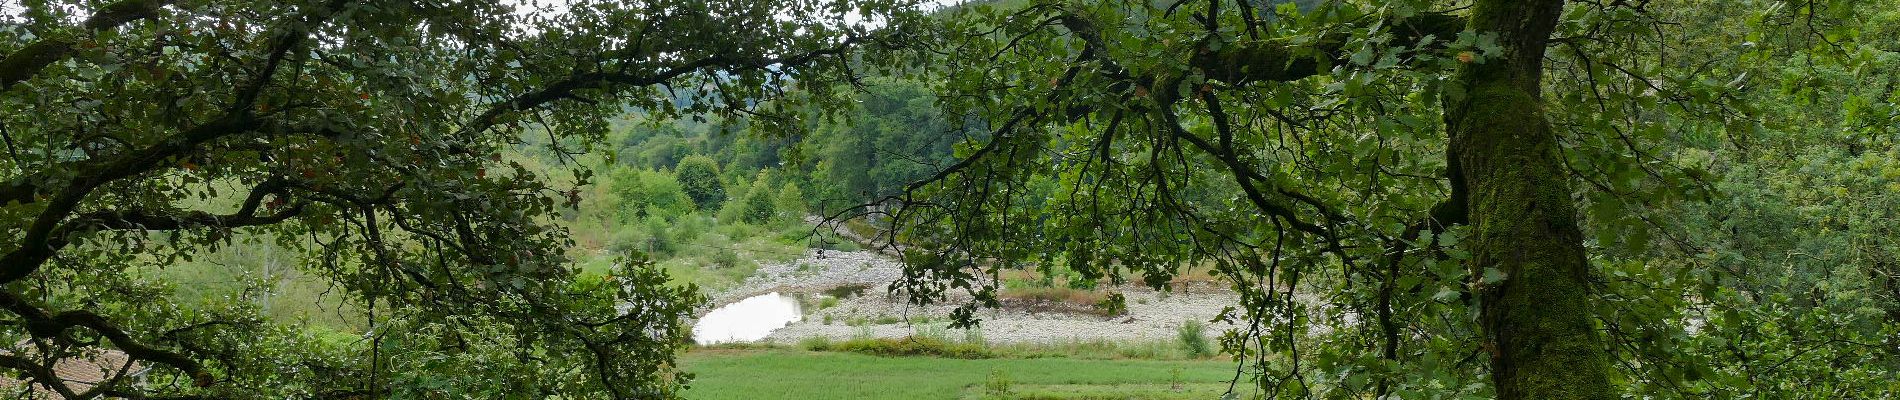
(1537, 321)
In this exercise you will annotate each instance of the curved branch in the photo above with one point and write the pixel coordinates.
(1280, 60)
(39, 243)
(569, 88)
(41, 374)
(23, 64)
(44, 325)
(44, 238)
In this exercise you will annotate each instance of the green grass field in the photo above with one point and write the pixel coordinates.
(798, 374)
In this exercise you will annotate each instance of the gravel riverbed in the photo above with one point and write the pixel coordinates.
(1151, 315)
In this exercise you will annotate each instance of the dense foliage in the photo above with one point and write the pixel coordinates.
(1443, 199)
(395, 199)
(368, 139)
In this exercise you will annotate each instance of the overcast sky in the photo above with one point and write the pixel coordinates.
(11, 9)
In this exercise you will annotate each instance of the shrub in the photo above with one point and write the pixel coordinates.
(660, 241)
(913, 346)
(726, 258)
(791, 200)
(631, 241)
(757, 207)
(1114, 304)
(1193, 337)
(816, 343)
(848, 290)
(846, 246)
(997, 385)
(644, 193)
(698, 176)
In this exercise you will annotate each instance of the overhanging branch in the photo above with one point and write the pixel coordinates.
(569, 88)
(1281, 60)
(39, 242)
(23, 64)
(44, 325)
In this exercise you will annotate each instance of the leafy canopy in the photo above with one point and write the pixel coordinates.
(1301, 151)
(365, 136)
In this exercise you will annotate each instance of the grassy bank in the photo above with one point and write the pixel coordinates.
(799, 374)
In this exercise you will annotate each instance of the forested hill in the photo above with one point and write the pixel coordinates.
(896, 134)
(709, 198)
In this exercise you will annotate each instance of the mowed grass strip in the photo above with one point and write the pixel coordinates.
(799, 374)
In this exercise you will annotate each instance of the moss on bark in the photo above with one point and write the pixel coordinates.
(1537, 320)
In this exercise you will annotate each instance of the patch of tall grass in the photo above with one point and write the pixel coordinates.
(902, 347)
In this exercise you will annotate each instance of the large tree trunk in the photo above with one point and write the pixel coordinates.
(1537, 321)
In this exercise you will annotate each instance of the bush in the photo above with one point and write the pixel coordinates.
(699, 177)
(1113, 305)
(1193, 337)
(913, 346)
(839, 245)
(631, 241)
(997, 386)
(758, 207)
(790, 200)
(644, 194)
(848, 290)
(726, 258)
(815, 343)
(1095, 349)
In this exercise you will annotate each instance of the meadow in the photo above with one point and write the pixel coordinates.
(779, 373)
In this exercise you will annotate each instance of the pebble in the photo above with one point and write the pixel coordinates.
(1151, 315)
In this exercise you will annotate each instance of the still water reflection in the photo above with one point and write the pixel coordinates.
(746, 320)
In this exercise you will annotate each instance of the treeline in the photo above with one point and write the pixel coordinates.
(707, 198)
(894, 136)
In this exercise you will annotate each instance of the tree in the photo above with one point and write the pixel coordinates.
(791, 200)
(699, 176)
(894, 136)
(1412, 162)
(646, 193)
(1508, 171)
(759, 206)
(365, 136)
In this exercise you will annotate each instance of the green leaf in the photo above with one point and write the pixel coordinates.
(1492, 276)
(1444, 294)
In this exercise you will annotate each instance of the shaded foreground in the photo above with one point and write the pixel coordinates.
(798, 374)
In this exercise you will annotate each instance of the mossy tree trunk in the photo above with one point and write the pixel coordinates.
(1536, 320)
